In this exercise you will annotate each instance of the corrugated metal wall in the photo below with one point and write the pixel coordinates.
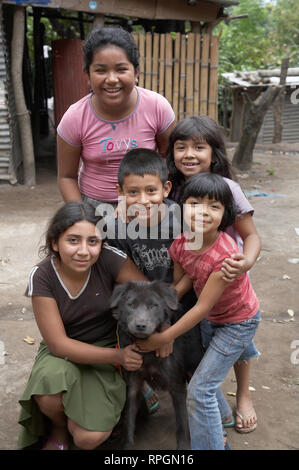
(5, 137)
(70, 83)
(290, 121)
(10, 151)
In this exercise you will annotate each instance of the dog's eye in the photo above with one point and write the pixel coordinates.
(154, 306)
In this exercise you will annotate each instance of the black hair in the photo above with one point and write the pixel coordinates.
(63, 219)
(215, 187)
(203, 129)
(142, 162)
(101, 37)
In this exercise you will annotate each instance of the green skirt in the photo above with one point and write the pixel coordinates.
(93, 396)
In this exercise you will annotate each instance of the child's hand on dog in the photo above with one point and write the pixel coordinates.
(130, 359)
(166, 349)
(154, 342)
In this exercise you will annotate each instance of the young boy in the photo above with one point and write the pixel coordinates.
(153, 222)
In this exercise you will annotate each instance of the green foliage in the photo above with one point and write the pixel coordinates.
(261, 41)
(50, 33)
(245, 42)
(284, 35)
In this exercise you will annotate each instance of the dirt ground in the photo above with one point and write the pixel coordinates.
(275, 277)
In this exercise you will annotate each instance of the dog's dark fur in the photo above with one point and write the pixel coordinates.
(141, 308)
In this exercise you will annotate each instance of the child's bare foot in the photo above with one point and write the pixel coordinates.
(246, 419)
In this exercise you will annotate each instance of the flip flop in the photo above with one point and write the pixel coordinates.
(231, 424)
(243, 430)
(154, 407)
(63, 446)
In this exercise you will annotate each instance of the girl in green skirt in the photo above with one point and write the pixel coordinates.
(75, 386)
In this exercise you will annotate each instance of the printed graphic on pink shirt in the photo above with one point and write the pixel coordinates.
(110, 145)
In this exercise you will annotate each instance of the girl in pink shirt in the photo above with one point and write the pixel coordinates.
(114, 118)
(228, 311)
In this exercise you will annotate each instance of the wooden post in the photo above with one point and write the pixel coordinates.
(176, 76)
(204, 74)
(182, 78)
(141, 60)
(98, 20)
(189, 77)
(257, 109)
(155, 67)
(37, 100)
(17, 48)
(148, 61)
(213, 82)
(162, 64)
(278, 105)
(196, 75)
(168, 68)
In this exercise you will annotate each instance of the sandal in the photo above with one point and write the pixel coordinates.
(243, 430)
(154, 407)
(229, 424)
(63, 446)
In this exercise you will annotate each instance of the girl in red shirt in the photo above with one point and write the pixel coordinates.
(228, 312)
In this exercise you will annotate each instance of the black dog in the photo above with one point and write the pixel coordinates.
(141, 308)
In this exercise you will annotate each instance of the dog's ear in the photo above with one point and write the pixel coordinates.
(117, 294)
(168, 294)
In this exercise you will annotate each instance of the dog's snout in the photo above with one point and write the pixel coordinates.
(141, 326)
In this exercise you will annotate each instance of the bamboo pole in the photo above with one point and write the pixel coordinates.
(136, 39)
(162, 64)
(155, 67)
(141, 60)
(148, 61)
(213, 81)
(176, 72)
(190, 75)
(181, 114)
(168, 68)
(196, 75)
(204, 74)
(17, 48)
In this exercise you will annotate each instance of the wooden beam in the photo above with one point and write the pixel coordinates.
(152, 9)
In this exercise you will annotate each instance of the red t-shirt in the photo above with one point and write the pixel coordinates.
(238, 301)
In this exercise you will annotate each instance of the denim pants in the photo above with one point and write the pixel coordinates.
(207, 407)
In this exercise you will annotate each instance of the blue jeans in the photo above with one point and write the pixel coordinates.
(207, 407)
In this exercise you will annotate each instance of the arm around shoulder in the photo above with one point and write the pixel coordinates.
(163, 140)
(130, 272)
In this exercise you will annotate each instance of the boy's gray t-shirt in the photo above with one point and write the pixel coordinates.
(148, 247)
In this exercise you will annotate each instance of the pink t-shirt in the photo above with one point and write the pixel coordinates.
(104, 143)
(238, 301)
